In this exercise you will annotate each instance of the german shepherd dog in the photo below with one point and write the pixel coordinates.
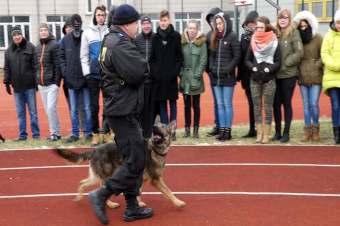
(104, 159)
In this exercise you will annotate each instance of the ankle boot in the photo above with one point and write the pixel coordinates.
(266, 133)
(221, 134)
(307, 133)
(195, 133)
(133, 211)
(259, 135)
(98, 202)
(251, 133)
(315, 133)
(228, 134)
(186, 132)
(336, 132)
(213, 132)
(285, 137)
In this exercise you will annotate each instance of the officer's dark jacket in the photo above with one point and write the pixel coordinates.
(123, 73)
(20, 66)
(48, 68)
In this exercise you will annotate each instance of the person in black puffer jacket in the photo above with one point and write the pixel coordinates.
(48, 77)
(20, 71)
(243, 72)
(225, 56)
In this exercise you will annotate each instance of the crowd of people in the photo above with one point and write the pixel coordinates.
(268, 60)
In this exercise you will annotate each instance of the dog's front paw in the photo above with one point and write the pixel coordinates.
(112, 205)
(78, 198)
(179, 203)
(141, 204)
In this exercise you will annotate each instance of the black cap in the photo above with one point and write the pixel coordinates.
(145, 18)
(250, 18)
(125, 14)
(16, 31)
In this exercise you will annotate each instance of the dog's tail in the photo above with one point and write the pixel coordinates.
(74, 156)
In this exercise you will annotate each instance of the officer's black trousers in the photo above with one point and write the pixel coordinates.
(128, 177)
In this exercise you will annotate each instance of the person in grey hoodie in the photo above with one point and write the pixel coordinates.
(89, 53)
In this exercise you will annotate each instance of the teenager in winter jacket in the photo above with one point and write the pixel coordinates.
(143, 42)
(310, 73)
(90, 48)
(210, 20)
(48, 78)
(165, 62)
(224, 57)
(191, 84)
(291, 54)
(243, 75)
(330, 54)
(71, 69)
(263, 59)
(20, 71)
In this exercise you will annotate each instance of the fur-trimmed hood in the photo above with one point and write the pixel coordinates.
(310, 18)
(199, 40)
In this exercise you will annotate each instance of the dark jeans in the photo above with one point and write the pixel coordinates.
(192, 101)
(247, 91)
(148, 113)
(283, 96)
(163, 108)
(23, 100)
(128, 177)
(94, 88)
(334, 94)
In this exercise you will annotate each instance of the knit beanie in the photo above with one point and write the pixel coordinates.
(145, 19)
(16, 31)
(44, 25)
(337, 15)
(125, 14)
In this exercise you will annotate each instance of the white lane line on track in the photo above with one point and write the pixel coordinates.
(227, 193)
(186, 164)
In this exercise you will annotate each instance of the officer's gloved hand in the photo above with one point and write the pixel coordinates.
(8, 89)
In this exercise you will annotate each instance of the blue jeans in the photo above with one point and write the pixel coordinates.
(23, 99)
(74, 97)
(310, 97)
(224, 98)
(334, 93)
(164, 111)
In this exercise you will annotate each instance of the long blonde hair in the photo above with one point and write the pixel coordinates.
(290, 28)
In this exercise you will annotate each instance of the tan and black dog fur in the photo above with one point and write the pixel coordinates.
(105, 158)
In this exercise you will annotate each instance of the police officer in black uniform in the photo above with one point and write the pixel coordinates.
(124, 72)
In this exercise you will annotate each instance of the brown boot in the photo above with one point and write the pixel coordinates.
(259, 135)
(307, 133)
(95, 139)
(315, 132)
(107, 138)
(266, 133)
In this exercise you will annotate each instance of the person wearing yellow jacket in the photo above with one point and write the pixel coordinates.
(330, 54)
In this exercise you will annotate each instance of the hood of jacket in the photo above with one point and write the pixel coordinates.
(310, 18)
(199, 40)
(212, 12)
(228, 24)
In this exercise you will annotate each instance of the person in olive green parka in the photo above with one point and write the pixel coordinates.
(192, 85)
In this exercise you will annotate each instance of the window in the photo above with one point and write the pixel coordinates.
(6, 25)
(181, 20)
(322, 9)
(55, 24)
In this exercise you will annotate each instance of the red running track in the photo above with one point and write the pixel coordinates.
(303, 171)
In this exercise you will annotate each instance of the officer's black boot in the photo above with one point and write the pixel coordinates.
(98, 202)
(133, 211)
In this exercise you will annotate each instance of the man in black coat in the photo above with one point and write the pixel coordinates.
(165, 62)
(144, 44)
(243, 72)
(124, 72)
(20, 73)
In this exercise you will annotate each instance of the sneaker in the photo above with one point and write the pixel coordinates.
(88, 137)
(54, 137)
(72, 139)
(20, 139)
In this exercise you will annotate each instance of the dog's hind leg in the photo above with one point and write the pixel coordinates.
(162, 187)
